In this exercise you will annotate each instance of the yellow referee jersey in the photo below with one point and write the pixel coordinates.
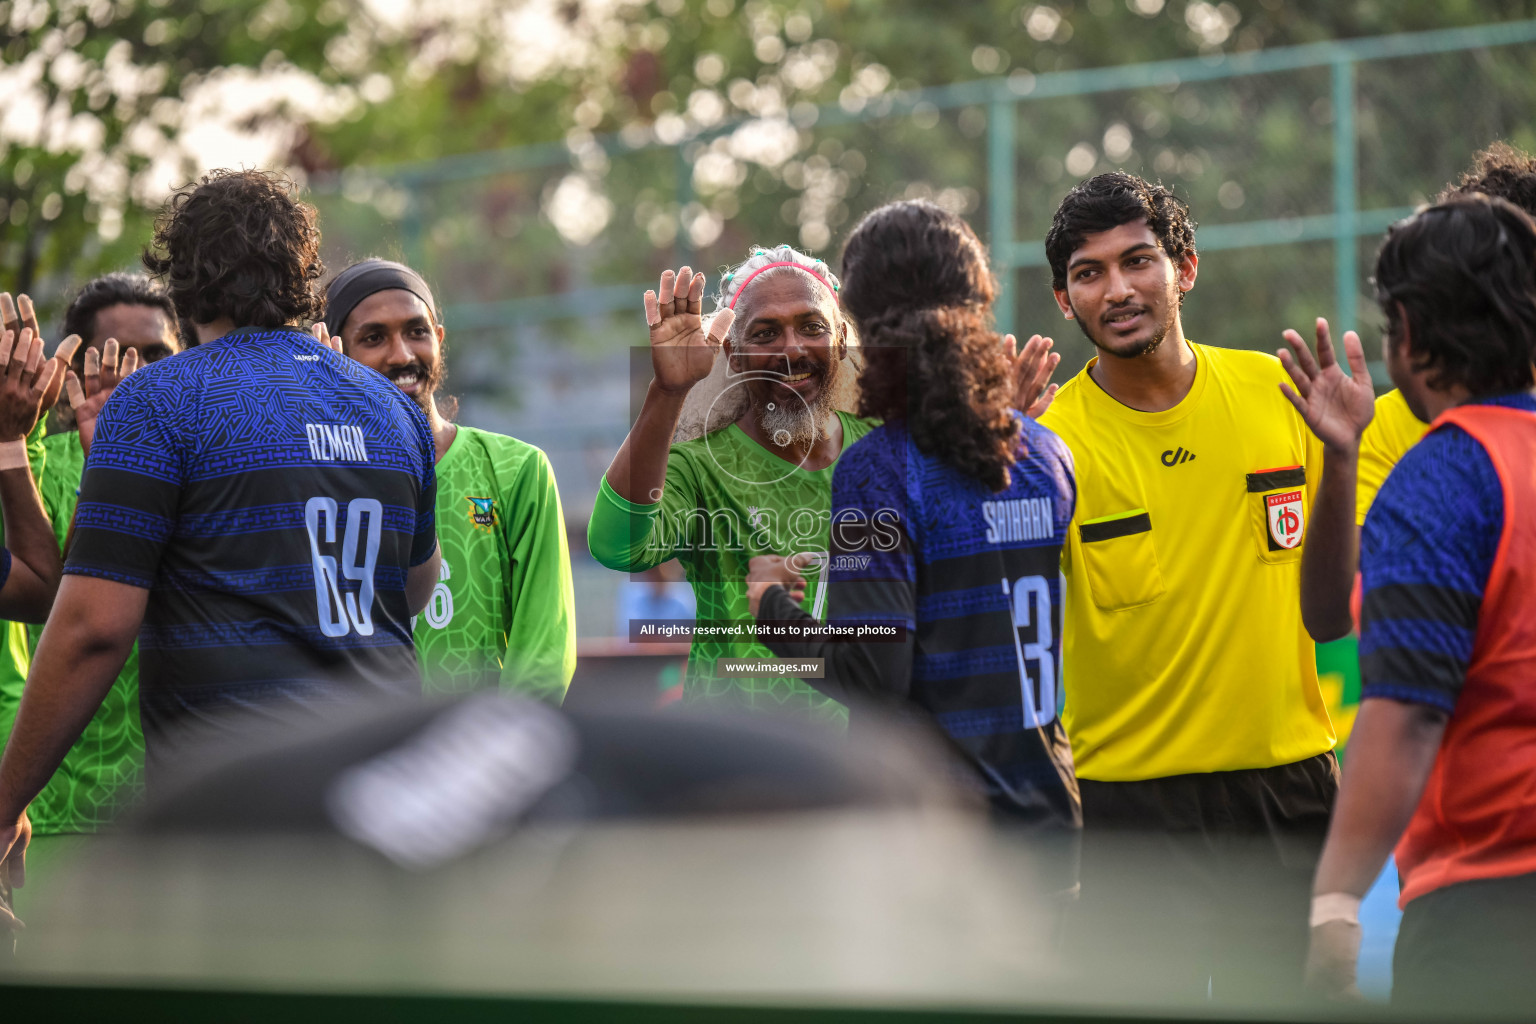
(1391, 433)
(1183, 645)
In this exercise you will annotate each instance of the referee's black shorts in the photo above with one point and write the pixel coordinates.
(1205, 879)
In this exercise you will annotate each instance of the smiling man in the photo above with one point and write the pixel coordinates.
(503, 613)
(1192, 698)
(757, 480)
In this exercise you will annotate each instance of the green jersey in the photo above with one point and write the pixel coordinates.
(503, 613)
(105, 766)
(726, 500)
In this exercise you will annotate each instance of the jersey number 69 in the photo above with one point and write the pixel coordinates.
(341, 613)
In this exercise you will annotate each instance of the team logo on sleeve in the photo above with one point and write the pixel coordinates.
(482, 512)
(1286, 517)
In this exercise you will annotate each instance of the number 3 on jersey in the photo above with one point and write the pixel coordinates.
(341, 613)
(1033, 641)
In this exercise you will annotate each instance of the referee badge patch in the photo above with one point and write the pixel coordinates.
(1285, 513)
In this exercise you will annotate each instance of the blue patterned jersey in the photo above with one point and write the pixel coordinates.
(1426, 551)
(975, 579)
(271, 495)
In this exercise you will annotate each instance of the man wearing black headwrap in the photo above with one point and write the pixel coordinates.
(503, 613)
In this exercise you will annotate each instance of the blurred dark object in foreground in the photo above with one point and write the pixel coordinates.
(451, 861)
(490, 761)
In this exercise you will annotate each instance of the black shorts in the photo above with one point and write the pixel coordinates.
(1205, 879)
(1290, 804)
(1469, 948)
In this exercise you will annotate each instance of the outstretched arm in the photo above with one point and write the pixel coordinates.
(1391, 753)
(869, 670)
(28, 388)
(682, 354)
(1337, 408)
(79, 655)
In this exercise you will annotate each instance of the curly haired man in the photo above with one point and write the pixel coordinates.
(257, 511)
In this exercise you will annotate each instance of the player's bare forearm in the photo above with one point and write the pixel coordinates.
(1332, 551)
(35, 566)
(81, 651)
(639, 471)
(1391, 752)
(421, 579)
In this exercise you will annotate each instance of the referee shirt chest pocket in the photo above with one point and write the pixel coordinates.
(1120, 560)
(1277, 509)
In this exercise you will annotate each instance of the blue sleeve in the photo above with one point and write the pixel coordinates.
(871, 536)
(1050, 453)
(1426, 552)
(871, 578)
(130, 490)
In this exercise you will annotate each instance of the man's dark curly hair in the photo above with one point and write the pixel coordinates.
(118, 289)
(1105, 202)
(239, 244)
(1463, 276)
(1500, 170)
(917, 284)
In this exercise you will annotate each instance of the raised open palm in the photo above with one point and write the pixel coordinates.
(1336, 405)
(682, 351)
(103, 372)
(1032, 369)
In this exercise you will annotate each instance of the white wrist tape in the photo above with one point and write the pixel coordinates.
(13, 455)
(1335, 906)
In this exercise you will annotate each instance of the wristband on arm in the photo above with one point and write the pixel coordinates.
(13, 455)
(1335, 906)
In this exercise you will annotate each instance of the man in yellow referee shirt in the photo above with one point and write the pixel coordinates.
(1203, 748)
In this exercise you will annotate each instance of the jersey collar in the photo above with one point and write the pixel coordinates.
(1098, 399)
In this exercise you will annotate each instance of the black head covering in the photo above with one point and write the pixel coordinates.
(361, 280)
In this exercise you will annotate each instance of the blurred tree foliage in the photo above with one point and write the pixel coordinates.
(106, 104)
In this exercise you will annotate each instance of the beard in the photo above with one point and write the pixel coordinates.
(429, 377)
(1147, 345)
(793, 422)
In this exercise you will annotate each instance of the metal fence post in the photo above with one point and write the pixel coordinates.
(682, 247)
(1000, 181)
(1345, 205)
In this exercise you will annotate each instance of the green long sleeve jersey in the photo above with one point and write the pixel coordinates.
(726, 500)
(104, 769)
(503, 613)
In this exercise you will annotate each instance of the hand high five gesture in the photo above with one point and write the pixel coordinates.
(103, 373)
(682, 353)
(1032, 369)
(29, 387)
(322, 334)
(1337, 407)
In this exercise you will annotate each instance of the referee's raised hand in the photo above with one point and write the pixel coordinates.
(1337, 406)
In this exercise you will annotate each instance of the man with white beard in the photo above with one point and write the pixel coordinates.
(749, 472)
(758, 480)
